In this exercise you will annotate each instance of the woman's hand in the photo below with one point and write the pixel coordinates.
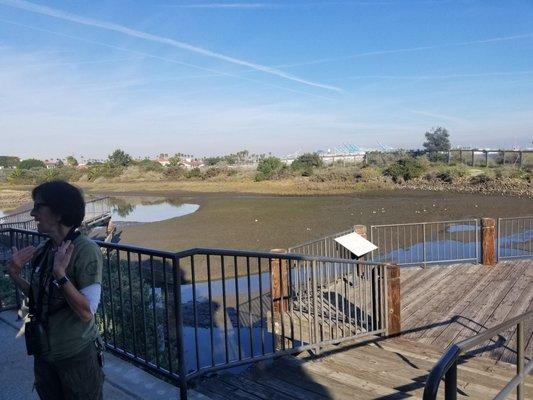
(19, 258)
(62, 258)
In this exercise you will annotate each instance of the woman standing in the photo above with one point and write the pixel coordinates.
(64, 291)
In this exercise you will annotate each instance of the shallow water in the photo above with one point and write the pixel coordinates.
(148, 209)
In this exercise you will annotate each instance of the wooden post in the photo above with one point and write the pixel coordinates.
(503, 157)
(473, 157)
(460, 156)
(394, 321)
(360, 230)
(521, 155)
(280, 299)
(488, 228)
(486, 158)
(449, 156)
(280, 282)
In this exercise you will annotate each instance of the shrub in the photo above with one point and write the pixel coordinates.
(63, 173)
(174, 172)
(512, 173)
(405, 169)
(480, 179)
(22, 176)
(119, 158)
(193, 173)
(213, 172)
(269, 168)
(105, 170)
(31, 163)
(147, 165)
(336, 174)
(306, 162)
(448, 174)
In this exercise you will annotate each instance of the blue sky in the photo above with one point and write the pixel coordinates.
(213, 77)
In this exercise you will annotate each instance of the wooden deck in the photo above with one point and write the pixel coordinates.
(390, 369)
(442, 305)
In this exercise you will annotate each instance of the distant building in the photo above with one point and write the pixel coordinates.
(190, 164)
(50, 164)
(163, 160)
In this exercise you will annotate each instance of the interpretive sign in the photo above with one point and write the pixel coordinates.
(356, 244)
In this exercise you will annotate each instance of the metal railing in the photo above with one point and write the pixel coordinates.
(188, 313)
(95, 209)
(324, 247)
(515, 237)
(446, 367)
(426, 242)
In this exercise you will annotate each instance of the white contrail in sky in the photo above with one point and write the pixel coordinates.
(55, 13)
(409, 49)
(443, 77)
(226, 5)
(305, 4)
(437, 116)
(166, 59)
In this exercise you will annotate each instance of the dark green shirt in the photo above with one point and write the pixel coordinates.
(67, 333)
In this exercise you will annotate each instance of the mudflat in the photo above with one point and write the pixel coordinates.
(263, 222)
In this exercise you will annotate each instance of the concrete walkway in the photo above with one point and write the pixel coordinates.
(123, 380)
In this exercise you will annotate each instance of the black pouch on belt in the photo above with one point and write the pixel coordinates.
(36, 338)
(100, 350)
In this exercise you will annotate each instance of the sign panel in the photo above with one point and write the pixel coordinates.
(356, 244)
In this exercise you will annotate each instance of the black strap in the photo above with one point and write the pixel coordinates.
(40, 262)
(44, 263)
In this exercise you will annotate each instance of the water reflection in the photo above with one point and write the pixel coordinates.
(157, 209)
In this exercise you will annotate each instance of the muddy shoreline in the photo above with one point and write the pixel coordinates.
(264, 222)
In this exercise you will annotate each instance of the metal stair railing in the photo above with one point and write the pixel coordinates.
(446, 367)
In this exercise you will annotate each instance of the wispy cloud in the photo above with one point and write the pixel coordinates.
(66, 16)
(409, 50)
(306, 4)
(86, 62)
(437, 116)
(242, 6)
(444, 77)
(167, 59)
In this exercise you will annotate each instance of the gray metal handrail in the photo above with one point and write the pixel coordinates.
(96, 210)
(226, 307)
(427, 242)
(446, 367)
(515, 237)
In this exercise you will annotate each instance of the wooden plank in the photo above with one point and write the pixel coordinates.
(415, 359)
(487, 302)
(516, 302)
(412, 275)
(388, 372)
(466, 307)
(428, 281)
(508, 353)
(445, 309)
(217, 386)
(251, 386)
(436, 302)
(422, 295)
